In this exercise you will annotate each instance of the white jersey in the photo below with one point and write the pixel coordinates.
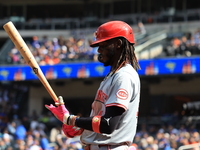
(123, 90)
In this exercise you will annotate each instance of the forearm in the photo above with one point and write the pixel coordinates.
(107, 123)
(106, 126)
(74, 125)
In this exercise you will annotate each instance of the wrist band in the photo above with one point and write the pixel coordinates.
(96, 123)
(68, 119)
(71, 120)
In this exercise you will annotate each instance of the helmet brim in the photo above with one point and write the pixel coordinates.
(96, 43)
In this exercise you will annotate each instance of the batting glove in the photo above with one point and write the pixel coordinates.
(60, 112)
(71, 131)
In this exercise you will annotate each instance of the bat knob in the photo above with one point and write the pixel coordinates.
(60, 101)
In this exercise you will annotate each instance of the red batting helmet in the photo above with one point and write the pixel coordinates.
(113, 29)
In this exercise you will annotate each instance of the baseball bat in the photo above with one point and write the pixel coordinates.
(28, 56)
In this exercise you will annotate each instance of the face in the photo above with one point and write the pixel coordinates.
(107, 52)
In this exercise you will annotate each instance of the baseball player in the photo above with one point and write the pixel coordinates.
(113, 119)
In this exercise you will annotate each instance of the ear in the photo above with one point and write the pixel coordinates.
(119, 43)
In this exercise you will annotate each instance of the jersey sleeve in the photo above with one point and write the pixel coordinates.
(121, 90)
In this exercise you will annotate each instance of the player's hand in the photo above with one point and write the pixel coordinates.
(60, 112)
(71, 131)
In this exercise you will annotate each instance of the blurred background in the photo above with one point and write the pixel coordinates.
(58, 32)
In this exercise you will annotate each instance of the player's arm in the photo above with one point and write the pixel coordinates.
(102, 124)
(99, 124)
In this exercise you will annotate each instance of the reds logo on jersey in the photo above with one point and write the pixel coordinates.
(122, 94)
(101, 96)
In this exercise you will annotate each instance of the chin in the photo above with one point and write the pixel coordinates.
(106, 63)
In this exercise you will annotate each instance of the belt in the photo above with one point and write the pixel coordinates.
(87, 147)
(103, 145)
(106, 145)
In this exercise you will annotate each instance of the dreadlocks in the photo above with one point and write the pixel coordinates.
(127, 55)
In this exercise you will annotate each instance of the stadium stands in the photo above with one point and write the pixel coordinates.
(169, 33)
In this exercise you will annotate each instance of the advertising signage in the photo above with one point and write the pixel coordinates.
(167, 66)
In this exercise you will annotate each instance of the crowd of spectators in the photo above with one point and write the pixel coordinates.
(59, 49)
(19, 131)
(32, 134)
(185, 45)
(51, 51)
(56, 50)
(166, 137)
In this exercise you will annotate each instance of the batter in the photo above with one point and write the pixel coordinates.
(113, 120)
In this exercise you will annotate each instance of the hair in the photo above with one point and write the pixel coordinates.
(127, 55)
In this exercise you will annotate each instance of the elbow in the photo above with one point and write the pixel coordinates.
(107, 130)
